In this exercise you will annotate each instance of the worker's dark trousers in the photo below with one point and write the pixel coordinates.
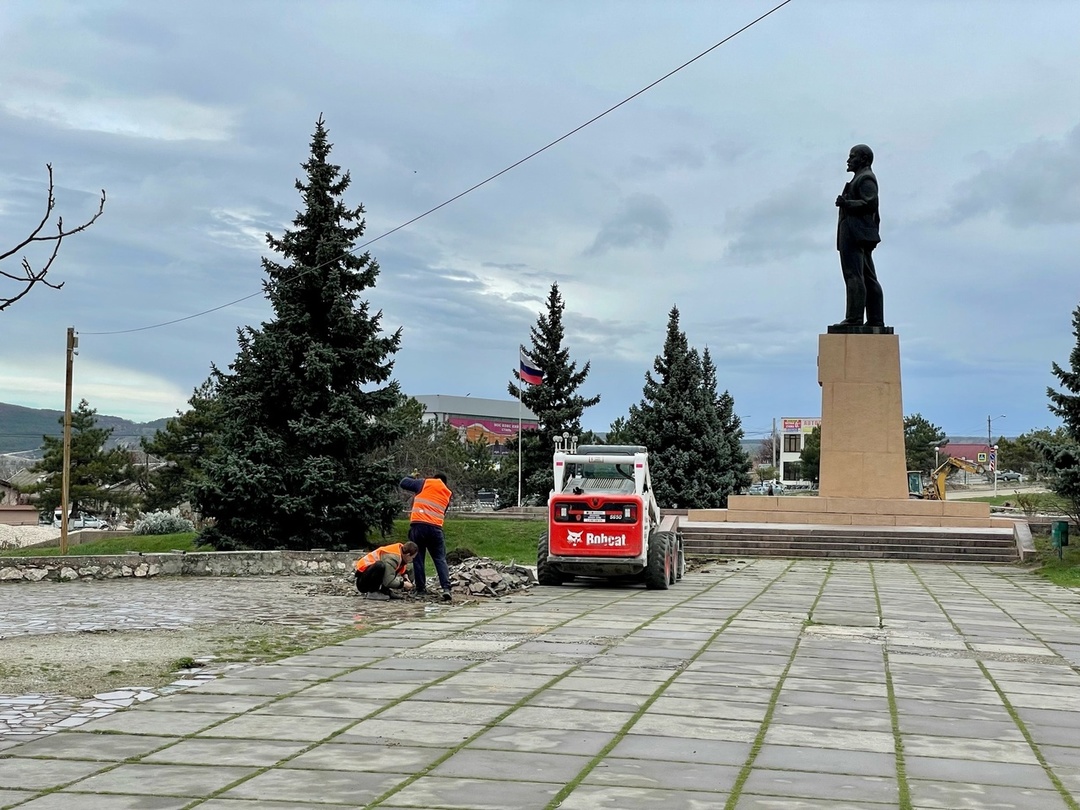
(429, 538)
(371, 578)
(860, 277)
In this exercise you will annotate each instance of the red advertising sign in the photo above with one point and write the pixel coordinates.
(492, 431)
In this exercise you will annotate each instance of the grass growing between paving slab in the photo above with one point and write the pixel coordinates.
(104, 661)
(1005, 702)
(894, 710)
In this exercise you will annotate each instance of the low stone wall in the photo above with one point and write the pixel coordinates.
(189, 564)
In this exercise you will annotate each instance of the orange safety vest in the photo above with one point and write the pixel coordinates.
(368, 560)
(430, 505)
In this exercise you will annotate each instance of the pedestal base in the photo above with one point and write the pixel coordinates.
(804, 509)
(862, 418)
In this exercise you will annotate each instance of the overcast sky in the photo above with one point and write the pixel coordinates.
(713, 191)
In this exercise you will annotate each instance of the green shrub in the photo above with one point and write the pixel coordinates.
(162, 523)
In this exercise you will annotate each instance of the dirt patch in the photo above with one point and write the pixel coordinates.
(83, 639)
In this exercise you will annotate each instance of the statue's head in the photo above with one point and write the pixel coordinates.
(860, 155)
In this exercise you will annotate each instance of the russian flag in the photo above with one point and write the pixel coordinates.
(530, 372)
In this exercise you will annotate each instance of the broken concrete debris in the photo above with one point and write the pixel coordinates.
(482, 576)
(475, 577)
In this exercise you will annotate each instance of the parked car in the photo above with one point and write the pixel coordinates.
(762, 488)
(79, 520)
(1009, 475)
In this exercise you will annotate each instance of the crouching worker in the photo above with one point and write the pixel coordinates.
(381, 574)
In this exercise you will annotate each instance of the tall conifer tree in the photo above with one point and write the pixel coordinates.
(556, 403)
(691, 433)
(187, 442)
(1061, 455)
(1066, 404)
(671, 420)
(303, 411)
(731, 466)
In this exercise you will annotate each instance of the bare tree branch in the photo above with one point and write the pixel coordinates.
(30, 277)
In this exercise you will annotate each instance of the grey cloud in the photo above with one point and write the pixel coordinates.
(793, 221)
(1039, 184)
(642, 219)
(729, 150)
(675, 158)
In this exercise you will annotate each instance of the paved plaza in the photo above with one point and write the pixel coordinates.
(806, 685)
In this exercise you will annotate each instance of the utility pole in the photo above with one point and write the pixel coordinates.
(776, 448)
(72, 345)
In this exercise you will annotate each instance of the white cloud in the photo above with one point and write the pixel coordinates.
(165, 118)
(38, 382)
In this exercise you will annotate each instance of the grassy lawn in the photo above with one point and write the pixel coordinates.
(115, 545)
(1064, 572)
(1046, 502)
(503, 540)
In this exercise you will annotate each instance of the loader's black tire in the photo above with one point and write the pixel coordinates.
(545, 572)
(673, 554)
(657, 571)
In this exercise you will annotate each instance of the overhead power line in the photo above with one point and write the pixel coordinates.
(472, 188)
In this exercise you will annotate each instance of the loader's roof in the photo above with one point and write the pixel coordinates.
(610, 449)
(616, 485)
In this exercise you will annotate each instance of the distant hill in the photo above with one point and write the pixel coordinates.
(21, 428)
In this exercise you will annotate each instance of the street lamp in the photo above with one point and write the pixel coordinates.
(991, 449)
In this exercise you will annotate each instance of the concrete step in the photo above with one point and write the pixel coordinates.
(850, 542)
(850, 554)
(830, 540)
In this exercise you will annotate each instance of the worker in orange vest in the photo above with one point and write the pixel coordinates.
(430, 501)
(381, 574)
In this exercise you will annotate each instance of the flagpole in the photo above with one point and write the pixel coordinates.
(519, 440)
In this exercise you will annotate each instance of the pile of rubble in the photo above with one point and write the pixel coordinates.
(475, 577)
(482, 576)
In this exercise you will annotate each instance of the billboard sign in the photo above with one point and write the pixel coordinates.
(799, 424)
(493, 431)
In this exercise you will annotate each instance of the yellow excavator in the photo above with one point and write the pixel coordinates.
(935, 490)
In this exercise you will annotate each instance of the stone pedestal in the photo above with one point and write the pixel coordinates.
(862, 417)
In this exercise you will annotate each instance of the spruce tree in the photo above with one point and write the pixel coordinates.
(732, 465)
(187, 443)
(556, 403)
(714, 476)
(1066, 406)
(1061, 454)
(302, 411)
(691, 432)
(94, 471)
(672, 421)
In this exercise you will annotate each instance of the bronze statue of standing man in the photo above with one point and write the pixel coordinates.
(856, 237)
